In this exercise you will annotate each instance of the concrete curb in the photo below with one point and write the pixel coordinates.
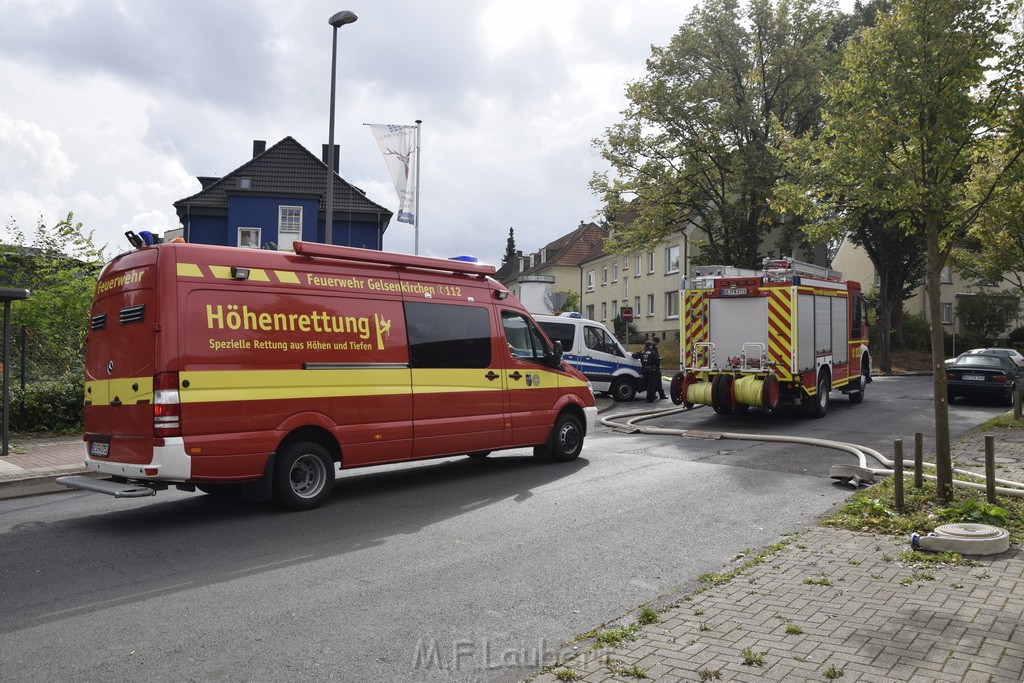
(37, 484)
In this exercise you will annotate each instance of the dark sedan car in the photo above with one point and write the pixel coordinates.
(981, 375)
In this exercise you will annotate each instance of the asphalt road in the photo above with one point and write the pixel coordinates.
(449, 570)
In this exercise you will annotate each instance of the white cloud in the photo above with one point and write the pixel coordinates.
(112, 108)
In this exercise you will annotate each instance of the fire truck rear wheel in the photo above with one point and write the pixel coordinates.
(304, 477)
(858, 396)
(565, 442)
(821, 399)
(623, 389)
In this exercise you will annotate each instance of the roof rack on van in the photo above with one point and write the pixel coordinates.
(407, 260)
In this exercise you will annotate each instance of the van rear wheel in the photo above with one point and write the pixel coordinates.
(623, 389)
(565, 442)
(304, 476)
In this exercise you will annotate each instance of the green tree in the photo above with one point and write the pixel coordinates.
(988, 315)
(995, 251)
(696, 139)
(572, 301)
(924, 122)
(510, 249)
(59, 265)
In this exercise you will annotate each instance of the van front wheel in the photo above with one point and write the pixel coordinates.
(305, 476)
(566, 440)
(623, 389)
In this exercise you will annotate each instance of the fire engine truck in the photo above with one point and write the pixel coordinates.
(788, 334)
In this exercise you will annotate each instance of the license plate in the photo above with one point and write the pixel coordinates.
(99, 449)
(734, 291)
(973, 378)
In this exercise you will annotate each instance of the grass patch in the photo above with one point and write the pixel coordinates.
(751, 658)
(709, 580)
(832, 673)
(614, 637)
(873, 509)
(647, 616)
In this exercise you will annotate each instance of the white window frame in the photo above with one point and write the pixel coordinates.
(637, 261)
(590, 311)
(590, 280)
(671, 264)
(285, 227)
(946, 275)
(604, 310)
(615, 272)
(604, 276)
(636, 307)
(946, 311)
(672, 305)
(249, 238)
(650, 263)
(650, 305)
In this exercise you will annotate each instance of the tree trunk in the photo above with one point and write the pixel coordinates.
(943, 458)
(884, 323)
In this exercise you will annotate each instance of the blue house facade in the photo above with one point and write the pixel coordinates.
(278, 197)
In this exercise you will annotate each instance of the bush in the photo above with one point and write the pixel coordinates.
(916, 335)
(53, 405)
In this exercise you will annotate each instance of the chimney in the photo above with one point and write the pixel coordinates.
(258, 147)
(323, 155)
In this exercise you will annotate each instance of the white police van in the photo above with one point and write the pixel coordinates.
(590, 348)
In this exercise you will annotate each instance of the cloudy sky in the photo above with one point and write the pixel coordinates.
(111, 108)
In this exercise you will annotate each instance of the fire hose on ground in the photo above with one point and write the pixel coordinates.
(969, 539)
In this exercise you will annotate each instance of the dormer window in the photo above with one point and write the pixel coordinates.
(245, 183)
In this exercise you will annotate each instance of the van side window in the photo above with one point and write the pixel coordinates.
(598, 339)
(560, 332)
(447, 336)
(524, 339)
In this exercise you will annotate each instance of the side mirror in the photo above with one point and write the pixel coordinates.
(558, 354)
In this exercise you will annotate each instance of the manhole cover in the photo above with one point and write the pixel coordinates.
(998, 460)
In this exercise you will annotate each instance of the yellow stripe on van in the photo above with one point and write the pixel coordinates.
(127, 390)
(224, 273)
(189, 270)
(254, 385)
(287, 277)
(222, 386)
(450, 380)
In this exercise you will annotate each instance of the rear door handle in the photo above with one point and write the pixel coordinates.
(492, 375)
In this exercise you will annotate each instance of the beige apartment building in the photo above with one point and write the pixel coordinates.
(646, 282)
(853, 262)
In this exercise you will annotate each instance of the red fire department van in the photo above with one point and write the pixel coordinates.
(258, 372)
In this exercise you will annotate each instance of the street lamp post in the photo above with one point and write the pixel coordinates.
(338, 20)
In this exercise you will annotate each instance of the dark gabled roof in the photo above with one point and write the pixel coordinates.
(567, 250)
(286, 168)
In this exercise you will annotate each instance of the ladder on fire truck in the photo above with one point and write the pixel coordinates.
(783, 269)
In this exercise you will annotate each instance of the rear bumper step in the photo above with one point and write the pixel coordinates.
(107, 486)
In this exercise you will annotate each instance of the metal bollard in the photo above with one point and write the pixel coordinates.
(898, 473)
(918, 460)
(990, 469)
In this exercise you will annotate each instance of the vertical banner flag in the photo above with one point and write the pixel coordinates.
(398, 145)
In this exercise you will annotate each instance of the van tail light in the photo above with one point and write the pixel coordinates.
(166, 405)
